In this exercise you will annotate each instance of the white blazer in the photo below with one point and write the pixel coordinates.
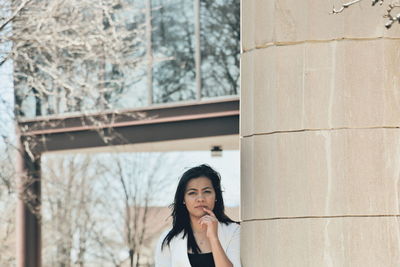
(176, 254)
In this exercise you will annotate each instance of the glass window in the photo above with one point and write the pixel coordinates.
(173, 50)
(220, 48)
(86, 56)
(99, 60)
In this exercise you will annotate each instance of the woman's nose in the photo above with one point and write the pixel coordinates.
(200, 197)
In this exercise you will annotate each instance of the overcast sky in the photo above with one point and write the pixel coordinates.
(6, 100)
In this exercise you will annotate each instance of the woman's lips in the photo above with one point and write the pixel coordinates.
(201, 207)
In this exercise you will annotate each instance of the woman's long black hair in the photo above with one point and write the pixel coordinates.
(180, 215)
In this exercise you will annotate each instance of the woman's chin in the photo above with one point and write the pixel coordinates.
(198, 214)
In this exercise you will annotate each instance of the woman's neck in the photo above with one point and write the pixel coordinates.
(196, 227)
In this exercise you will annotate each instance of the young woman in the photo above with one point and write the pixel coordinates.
(201, 235)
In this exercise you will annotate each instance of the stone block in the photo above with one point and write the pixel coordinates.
(322, 86)
(257, 26)
(321, 173)
(246, 93)
(248, 186)
(247, 25)
(286, 21)
(316, 242)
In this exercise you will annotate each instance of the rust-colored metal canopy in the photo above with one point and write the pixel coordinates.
(218, 117)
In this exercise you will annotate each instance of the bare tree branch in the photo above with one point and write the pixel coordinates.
(345, 5)
(392, 18)
(14, 15)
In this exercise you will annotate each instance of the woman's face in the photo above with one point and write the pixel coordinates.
(199, 194)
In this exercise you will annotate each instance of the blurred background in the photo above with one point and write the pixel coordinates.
(79, 58)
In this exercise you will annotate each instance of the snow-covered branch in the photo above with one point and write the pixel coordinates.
(392, 18)
(344, 6)
(389, 13)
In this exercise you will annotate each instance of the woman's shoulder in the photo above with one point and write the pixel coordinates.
(164, 234)
(230, 227)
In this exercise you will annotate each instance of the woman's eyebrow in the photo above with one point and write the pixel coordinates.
(191, 189)
(194, 189)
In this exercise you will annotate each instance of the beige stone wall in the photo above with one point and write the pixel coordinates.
(320, 136)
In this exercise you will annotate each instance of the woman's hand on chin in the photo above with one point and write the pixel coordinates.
(210, 221)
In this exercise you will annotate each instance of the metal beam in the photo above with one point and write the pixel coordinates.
(160, 123)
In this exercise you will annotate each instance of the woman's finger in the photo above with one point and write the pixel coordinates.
(209, 212)
(210, 218)
(206, 219)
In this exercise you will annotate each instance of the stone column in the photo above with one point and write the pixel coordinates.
(320, 137)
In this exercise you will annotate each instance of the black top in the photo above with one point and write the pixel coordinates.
(201, 260)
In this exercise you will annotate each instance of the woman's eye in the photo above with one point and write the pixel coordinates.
(208, 192)
(191, 193)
